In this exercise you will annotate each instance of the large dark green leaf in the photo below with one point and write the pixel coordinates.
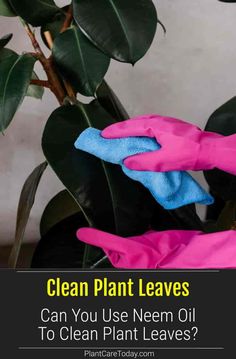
(223, 121)
(110, 102)
(6, 9)
(122, 29)
(4, 40)
(60, 248)
(26, 202)
(36, 12)
(59, 208)
(15, 73)
(35, 91)
(80, 61)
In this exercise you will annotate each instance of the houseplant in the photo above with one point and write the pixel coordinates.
(83, 37)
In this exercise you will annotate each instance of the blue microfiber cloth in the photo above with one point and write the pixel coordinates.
(171, 189)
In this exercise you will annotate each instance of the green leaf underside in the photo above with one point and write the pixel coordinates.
(26, 202)
(80, 61)
(6, 9)
(4, 40)
(36, 12)
(35, 91)
(223, 121)
(59, 208)
(15, 73)
(124, 30)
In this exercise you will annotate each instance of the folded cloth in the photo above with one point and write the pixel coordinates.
(171, 189)
(166, 250)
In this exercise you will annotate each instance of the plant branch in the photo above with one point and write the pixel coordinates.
(68, 87)
(54, 82)
(68, 19)
(41, 83)
(32, 37)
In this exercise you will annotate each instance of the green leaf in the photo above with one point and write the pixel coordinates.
(4, 40)
(6, 9)
(54, 26)
(80, 61)
(110, 102)
(223, 121)
(60, 248)
(59, 208)
(15, 73)
(35, 91)
(227, 219)
(124, 30)
(26, 202)
(36, 12)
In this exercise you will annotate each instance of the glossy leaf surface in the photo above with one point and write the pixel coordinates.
(124, 30)
(26, 202)
(223, 121)
(36, 12)
(80, 61)
(6, 9)
(15, 73)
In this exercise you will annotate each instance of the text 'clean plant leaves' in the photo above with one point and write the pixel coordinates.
(4, 40)
(36, 12)
(223, 121)
(124, 30)
(108, 198)
(6, 9)
(26, 202)
(80, 61)
(15, 73)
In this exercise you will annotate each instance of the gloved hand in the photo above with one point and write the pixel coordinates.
(183, 145)
(167, 249)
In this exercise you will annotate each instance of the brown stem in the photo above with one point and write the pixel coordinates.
(41, 83)
(32, 37)
(48, 38)
(68, 19)
(53, 79)
(67, 85)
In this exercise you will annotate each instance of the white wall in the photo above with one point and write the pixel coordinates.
(187, 74)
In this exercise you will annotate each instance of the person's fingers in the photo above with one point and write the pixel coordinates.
(105, 240)
(156, 161)
(149, 126)
(130, 128)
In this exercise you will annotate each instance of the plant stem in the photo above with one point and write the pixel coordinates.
(41, 83)
(54, 82)
(67, 85)
(68, 20)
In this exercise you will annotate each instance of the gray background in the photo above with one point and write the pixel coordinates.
(187, 74)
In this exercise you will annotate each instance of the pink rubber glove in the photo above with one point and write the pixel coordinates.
(168, 249)
(183, 145)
